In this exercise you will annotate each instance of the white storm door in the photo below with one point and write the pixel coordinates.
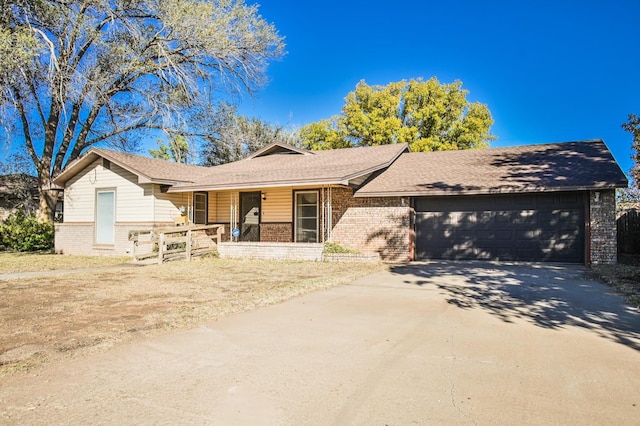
(105, 217)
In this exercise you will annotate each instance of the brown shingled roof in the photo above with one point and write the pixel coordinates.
(147, 169)
(550, 167)
(337, 166)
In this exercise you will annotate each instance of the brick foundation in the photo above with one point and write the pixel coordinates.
(276, 232)
(77, 238)
(291, 251)
(603, 245)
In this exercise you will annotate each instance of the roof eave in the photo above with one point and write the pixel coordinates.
(142, 178)
(92, 155)
(74, 168)
(257, 185)
(488, 191)
(386, 164)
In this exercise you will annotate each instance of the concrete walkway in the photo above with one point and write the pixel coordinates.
(437, 343)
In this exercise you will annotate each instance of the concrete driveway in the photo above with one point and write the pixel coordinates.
(433, 343)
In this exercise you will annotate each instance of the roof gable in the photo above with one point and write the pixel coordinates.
(279, 148)
(148, 170)
(579, 165)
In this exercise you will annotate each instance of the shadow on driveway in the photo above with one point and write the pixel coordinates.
(547, 295)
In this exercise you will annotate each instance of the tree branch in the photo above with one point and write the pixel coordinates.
(26, 130)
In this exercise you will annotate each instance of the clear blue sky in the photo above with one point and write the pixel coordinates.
(549, 71)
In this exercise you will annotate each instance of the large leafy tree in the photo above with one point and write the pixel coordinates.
(231, 137)
(428, 115)
(76, 73)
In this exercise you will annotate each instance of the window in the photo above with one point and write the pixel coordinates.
(105, 216)
(200, 208)
(306, 220)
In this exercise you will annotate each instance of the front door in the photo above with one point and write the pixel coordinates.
(250, 216)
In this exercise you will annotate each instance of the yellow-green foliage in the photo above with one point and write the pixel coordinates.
(337, 248)
(26, 233)
(427, 115)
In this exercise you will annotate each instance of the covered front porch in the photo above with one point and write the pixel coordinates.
(295, 215)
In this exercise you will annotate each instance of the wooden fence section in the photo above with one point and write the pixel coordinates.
(175, 242)
(628, 225)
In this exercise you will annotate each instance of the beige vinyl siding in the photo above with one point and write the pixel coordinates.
(167, 206)
(212, 208)
(222, 207)
(133, 203)
(278, 206)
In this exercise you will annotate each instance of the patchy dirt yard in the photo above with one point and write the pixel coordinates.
(46, 318)
(623, 277)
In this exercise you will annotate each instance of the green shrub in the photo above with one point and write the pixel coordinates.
(336, 248)
(25, 233)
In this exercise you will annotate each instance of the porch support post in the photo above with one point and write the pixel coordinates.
(233, 212)
(160, 247)
(219, 234)
(329, 215)
(188, 248)
(323, 223)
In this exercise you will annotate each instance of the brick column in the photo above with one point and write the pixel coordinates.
(602, 210)
(379, 225)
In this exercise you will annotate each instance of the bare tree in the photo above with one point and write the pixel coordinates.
(106, 71)
(231, 137)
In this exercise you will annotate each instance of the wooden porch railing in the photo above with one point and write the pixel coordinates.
(175, 242)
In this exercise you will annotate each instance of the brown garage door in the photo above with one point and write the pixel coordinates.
(526, 227)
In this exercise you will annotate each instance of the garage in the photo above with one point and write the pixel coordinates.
(547, 226)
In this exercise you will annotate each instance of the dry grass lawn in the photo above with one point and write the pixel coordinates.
(44, 319)
(11, 263)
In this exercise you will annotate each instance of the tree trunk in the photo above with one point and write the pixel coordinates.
(48, 200)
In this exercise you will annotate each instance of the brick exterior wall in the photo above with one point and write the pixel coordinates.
(262, 250)
(77, 238)
(372, 225)
(379, 226)
(269, 232)
(603, 245)
(276, 232)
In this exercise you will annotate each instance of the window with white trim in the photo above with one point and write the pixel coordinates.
(200, 208)
(306, 217)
